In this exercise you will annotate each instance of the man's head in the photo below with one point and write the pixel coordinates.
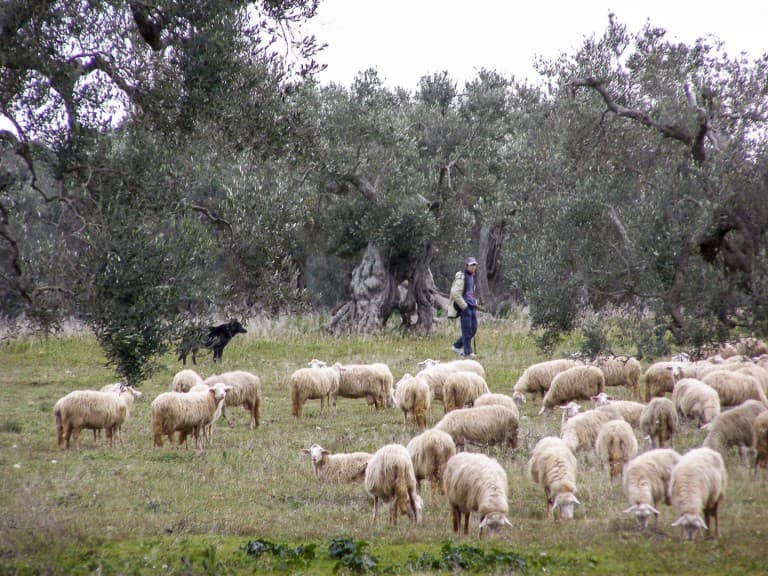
(471, 265)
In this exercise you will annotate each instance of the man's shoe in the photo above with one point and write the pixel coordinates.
(467, 355)
(459, 351)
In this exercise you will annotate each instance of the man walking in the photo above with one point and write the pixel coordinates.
(463, 303)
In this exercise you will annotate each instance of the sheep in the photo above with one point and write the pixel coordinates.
(461, 388)
(734, 428)
(128, 393)
(495, 399)
(245, 391)
(626, 409)
(735, 387)
(184, 380)
(660, 378)
(430, 451)
(569, 411)
(760, 440)
(695, 400)
(435, 373)
(621, 371)
(477, 483)
(553, 465)
(659, 421)
(485, 425)
(645, 482)
(580, 432)
(90, 409)
(186, 413)
(537, 378)
(616, 445)
(336, 468)
(370, 381)
(456, 365)
(311, 384)
(577, 383)
(412, 396)
(697, 484)
(389, 477)
(207, 429)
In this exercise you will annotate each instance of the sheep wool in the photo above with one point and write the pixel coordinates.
(627, 410)
(128, 393)
(621, 371)
(314, 383)
(616, 445)
(186, 413)
(553, 466)
(430, 451)
(696, 401)
(370, 381)
(245, 391)
(461, 388)
(389, 477)
(577, 383)
(537, 378)
(497, 399)
(337, 468)
(435, 372)
(733, 388)
(477, 483)
(697, 486)
(88, 409)
(482, 425)
(184, 380)
(659, 421)
(646, 480)
(760, 440)
(580, 432)
(412, 396)
(734, 427)
(660, 378)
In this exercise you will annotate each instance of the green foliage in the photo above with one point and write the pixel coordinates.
(286, 558)
(352, 556)
(470, 558)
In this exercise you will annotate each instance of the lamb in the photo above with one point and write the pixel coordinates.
(312, 383)
(184, 380)
(695, 400)
(461, 388)
(484, 425)
(389, 477)
(245, 391)
(659, 421)
(760, 440)
(621, 371)
(89, 409)
(477, 483)
(337, 468)
(430, 451)
(660, 378)
(537, 378)
(734, 427)
(412, 396)
(697, 485)
(494, 399)
(626, 409)
(553, 465)
(577, 383)
(616, 445)
(645, 482)
(370, 381)
(580, 432)
(186, 413)
(735, 387)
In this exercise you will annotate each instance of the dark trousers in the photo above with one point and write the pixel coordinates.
(468, 329)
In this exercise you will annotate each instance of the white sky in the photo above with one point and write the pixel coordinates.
(407, 39)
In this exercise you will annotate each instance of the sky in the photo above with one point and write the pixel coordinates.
(407, 39)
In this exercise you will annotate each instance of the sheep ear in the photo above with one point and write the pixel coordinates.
(543, 409)
(631, 509)
(507, 522)
(305, 451)
(324, 451)
(483, 522)
(677, 522)
(655, 512)
(574, 500)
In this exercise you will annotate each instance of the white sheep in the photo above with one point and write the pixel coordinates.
(462, 364)
(339, 467)
(696, 401)
(735, 387)
(430, 451)
(89, 409)
(569, 411)
(616, 445)
(577, 383)
(659, 421)
(660, 378)
(496, 399)
(412, 396)
(580, 432)
(312, 383)
(389, 477)
(483, 425)
(697, 485)
(734, 428)
(245, 391)
(370, 381)
(477, 483)
(186, 413)
(621, 371)
(628, 410)
(435, 373)
(537, 378)
(553, 465)
(760, 440)
(646, 481)
(461, 388)
(128, 393)
(184, 380)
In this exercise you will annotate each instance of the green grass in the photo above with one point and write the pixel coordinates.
(141, 510)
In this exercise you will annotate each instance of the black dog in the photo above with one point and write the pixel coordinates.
(216, 338)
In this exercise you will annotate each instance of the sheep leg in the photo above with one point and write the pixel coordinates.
(375, 508)
(466, 523)
(456, 515)
(75, 438)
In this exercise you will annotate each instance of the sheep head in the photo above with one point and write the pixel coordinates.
(493, 522)
(690, 525)
(642, 512)
(564, 503)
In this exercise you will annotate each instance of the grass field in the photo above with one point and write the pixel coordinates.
(250, 504)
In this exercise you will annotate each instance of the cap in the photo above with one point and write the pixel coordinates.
(471, 261)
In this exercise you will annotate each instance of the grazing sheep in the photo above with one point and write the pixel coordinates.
(659, 420)
(89, 409)
(734, 427)
(461, 388)
(760, 440)
(128, 393)
(580, 432)
(312, 383)
(695, 400)
(621, 371)
(435, 373)
(412, 396)
(184, 380)
(477, 483)
(370, 381)
(186, 413)
(697, 485)
(660, 378)
(553, 465)
(335, 468)
(245, 391)
(645, 482)
(494, 399)
(577, 383)
(616, 445)
(464, 364)
(569, 411)
(483, 425)
(537, 378)
(626, 409)
(389, 477)
(430, 451)
(735, 387)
